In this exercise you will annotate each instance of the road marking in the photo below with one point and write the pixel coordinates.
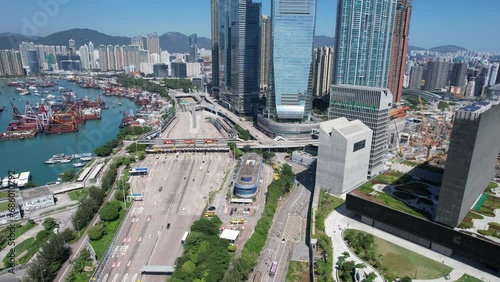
(115, 278)
(134, 278)
(119, 263)
(149, 218)
(125, 240)
(105, 278)
(125, 277)
(128, 240)
(129, 263)
(114, 265)
(140, 239)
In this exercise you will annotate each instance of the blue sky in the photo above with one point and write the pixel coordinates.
(466, 23)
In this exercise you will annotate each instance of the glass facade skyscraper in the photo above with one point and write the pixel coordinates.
(238, 62)
(290, 89)
(364, 33)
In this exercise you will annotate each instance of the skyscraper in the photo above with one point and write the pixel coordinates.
(72, 49)
(364, 34)
(215, 47)
(458, 74)
(470, 165)
(153, 43)
(493, 74)
(23, 48)
(137, 41)
(416, 77)
(371, 106)
(239, 88)
(33, 61)
(265, 51)
(193, 47)
(399, 48)
(10, 62)
(436, 76)
(91, 55)
(103, 58)
(290, 82)
(322, 71)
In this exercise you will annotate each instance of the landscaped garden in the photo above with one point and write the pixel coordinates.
(467, 222)
(298, 271)
(391, 260)
(487, 205)
(468, 278)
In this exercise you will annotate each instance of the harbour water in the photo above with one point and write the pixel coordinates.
(30, 154)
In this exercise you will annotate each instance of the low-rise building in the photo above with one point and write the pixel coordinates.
(37, 198)
(248, 179)
(303, 157)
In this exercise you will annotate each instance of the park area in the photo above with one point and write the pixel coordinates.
(391, 260)
(298, 271)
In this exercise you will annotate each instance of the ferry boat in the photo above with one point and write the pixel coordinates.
(78, 165)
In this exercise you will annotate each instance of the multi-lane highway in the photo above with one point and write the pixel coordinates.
(144, 238)
(288, 233)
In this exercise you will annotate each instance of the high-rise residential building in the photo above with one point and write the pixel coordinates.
(416, 76)
(436, 76)
(215, 29)
(363, 41)
(239, 55)
(153, 43)
(322, 71)
(137, 41)
(472, 156)
(371, 106)
(84, 56)
(470, 87)
(193, 47)
(103, 58)
(91, 55)
(493, 74)
(10, 63)
(290, 80)
(399, 48)
(111, 57)
(179, 69)
(72, 49)
(160, 70)
(265, 52)
(480, 82)
(33, 61)
(458, 74)
(119, 62)
(23, 48)
(343, 155)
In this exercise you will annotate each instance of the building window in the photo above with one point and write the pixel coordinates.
(359, 145)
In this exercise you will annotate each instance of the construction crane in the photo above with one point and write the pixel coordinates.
(427, 141)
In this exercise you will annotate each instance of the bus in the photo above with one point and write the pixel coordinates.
(184, 237)
(274, 268)
(139, 171)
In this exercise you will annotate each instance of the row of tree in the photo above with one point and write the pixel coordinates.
(206, 256)
(143, 84)
(106, 149)
(88, 208)
(244, 265)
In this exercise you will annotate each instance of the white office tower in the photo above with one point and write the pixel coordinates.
(343, 155)
(493, 74)
(370, 105)
(193, 69)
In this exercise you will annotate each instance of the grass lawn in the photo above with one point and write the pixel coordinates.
(102, 244)
(4, 194)
(78, 195)
(4, 206)
(31, 246)
(468, 278)
(490, 187)
(490, 205)
(298, 271)
(467, 222)
(327, 203)
(403, 262)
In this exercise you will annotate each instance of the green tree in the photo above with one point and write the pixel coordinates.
(96, 232)
(110, 212)
(49, 224)
(68, 175)
(103, 151)
(68, 235)
(406, 279)
(97, 194)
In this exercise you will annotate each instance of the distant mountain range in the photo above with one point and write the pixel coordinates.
(439, 49)
(173, 42)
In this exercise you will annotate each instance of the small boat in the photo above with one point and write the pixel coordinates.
(65, 161)
(78, 165)
(76, 156)
(86, 159)
(51, 161)
(86, 155)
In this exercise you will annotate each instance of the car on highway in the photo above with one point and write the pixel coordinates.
(168, 225)
(160, 189)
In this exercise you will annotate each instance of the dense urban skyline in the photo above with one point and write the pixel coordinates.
(433, 23)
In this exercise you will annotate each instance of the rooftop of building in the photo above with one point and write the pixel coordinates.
(249, 169)
(345, 127)
(360, 87)
(476, 106)
(35, 193)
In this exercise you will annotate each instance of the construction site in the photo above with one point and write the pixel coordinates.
(425, 137)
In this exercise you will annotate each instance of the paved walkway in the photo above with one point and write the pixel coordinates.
(28, 234)
(337, 219)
